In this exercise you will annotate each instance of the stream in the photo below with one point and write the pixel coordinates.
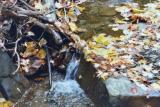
(65, 90)
(99, 14)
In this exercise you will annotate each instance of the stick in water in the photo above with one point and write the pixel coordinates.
(49, 66)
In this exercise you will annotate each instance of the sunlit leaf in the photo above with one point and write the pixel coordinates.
(41, 54)
(6, 104)
(73, 26)
(30, 49)
(120, 21)
(101, 39)
(81, 8)
(137, 10)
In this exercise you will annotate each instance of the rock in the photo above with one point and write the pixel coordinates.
(124, 93)
(122, 87)
(92, 85)
(6, 64)
(14, 86)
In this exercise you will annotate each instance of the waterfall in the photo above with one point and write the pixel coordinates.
(72, 67)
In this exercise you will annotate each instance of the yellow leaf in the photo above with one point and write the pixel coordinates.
(86, 50)
(89, 59)
(120, 21)
(91, 44)
(137, 10)
(143, 61)
(41, 54)
(100, 51)
(72, 15)
(81, 8)
(71, 12)
(111, 54)
(101, 39)
(6, 104)
(73, 26)
(30, 49)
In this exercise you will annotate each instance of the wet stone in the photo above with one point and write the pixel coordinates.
(64, 93)
(13, 89)
(6, 64)
(122, 87)
(14, 86)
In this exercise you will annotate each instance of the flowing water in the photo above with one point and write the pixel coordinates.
(72, 67)
(65, 91)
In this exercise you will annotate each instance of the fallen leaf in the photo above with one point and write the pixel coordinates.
(41, 54)
(73, 26)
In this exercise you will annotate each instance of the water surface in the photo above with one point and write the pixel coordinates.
(99, 14)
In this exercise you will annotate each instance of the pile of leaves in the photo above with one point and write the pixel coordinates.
(134, 54)
(56, 21)
(39, 34)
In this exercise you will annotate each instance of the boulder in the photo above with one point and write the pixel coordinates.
(93, 86)
(122, 87)
(6, 64)
(12, 86)
(114, 92)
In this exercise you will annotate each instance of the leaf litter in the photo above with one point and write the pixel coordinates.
(135, 54)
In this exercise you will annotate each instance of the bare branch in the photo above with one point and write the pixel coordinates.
(18, 57)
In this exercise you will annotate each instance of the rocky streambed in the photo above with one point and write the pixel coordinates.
(83, 88)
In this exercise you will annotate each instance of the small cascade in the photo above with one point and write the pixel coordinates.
(67, 92)
(72, 67)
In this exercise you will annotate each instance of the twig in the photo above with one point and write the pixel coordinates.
(65, 14)
(30, 7)
(18, 57)
(14, 3)
(49, 67)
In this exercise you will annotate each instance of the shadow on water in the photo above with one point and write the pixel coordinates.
(99, 14)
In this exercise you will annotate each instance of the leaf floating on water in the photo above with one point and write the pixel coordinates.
(134, 10)
(81, 8)
(73, 26)
(101, 39)
(119, 21)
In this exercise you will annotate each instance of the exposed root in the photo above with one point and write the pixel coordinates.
(18, 57)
